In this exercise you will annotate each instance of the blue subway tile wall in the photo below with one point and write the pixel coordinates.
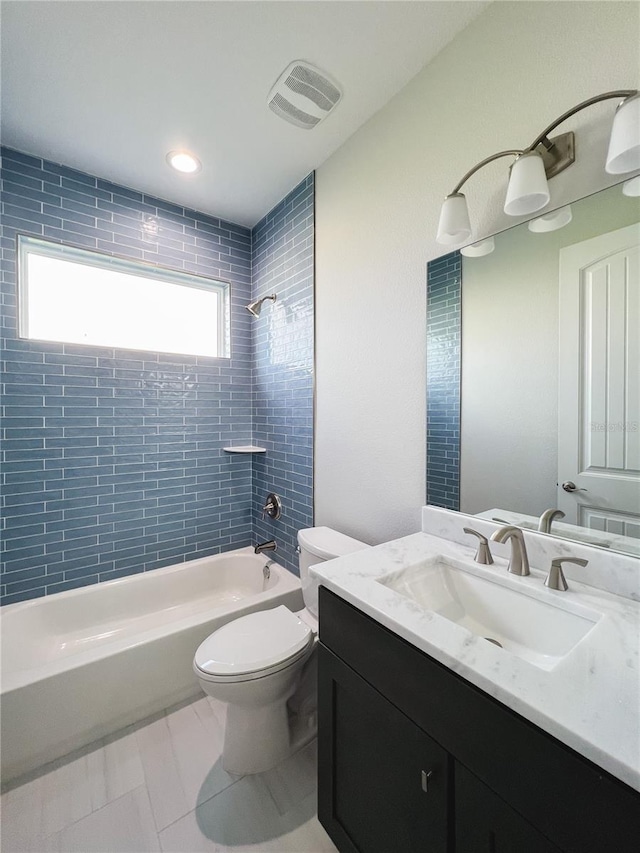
(444, 290)
(283, 263)
(112, 459)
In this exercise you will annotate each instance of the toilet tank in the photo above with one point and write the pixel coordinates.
(317, 545)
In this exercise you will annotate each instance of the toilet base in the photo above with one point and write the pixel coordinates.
(268, 718)
(258, 739)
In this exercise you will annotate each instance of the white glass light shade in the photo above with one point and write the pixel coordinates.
(454, 226)
(551, 221)
(624, 144)
(479, 249)
(528, 190)
(631, 187)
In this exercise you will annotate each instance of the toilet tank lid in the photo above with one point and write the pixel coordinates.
(325, 543)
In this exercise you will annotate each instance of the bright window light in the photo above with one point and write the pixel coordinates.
(81, 297)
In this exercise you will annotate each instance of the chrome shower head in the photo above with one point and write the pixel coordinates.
(255, 307)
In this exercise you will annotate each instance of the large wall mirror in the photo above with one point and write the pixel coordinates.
(533, 372)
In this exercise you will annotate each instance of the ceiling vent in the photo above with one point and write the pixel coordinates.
(303, 95)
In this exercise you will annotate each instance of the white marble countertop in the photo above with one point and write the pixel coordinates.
(589, 701)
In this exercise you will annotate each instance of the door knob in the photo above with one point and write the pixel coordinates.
(569, 486)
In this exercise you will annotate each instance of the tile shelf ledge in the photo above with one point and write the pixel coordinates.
(245, 448)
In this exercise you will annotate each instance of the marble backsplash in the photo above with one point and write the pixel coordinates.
(612, 572)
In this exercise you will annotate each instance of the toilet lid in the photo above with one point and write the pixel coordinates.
(253, 643)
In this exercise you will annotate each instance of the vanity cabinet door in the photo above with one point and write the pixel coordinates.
(486, 824)
(383, 783)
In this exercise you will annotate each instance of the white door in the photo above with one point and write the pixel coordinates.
(599, 383)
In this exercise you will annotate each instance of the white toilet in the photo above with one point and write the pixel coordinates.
(263, 666)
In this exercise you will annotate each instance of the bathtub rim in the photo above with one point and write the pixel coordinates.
(287, 582)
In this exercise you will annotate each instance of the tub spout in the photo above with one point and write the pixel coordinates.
(265, 546)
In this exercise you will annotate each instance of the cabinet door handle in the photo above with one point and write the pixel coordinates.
(425, 776)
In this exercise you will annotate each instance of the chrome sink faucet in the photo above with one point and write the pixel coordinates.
(519, 562)
(547, 518)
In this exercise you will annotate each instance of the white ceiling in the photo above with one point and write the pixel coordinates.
(110, 87)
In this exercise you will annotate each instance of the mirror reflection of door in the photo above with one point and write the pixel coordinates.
(514, 372)
(599, 383)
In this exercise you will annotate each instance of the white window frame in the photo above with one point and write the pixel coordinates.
(29, 245)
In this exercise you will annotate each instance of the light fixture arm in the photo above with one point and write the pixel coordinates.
(478, 166)
(542, 137)
(546, 157)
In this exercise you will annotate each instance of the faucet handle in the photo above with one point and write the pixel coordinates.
(273, 507)
(483, 554)
(555, 578)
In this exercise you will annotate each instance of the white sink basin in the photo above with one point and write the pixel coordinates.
(533, 623)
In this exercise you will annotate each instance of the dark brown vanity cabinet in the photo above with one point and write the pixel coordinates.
(414, 759)
(486, 824)
(388, 782)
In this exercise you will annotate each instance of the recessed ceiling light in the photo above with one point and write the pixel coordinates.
(182, 161)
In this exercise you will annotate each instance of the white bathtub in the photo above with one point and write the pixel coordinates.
(81, 664)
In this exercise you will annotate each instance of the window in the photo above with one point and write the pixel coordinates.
(83, 297)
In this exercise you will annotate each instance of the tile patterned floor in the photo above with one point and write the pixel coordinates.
(161, 787)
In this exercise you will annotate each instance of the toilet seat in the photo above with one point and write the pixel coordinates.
(253, 646)
(309, 619)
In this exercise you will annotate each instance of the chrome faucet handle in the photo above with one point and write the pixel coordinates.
(555, 578)
(547, 518)
(273, 507)
(483, 554)
(519, 562)
(269, 507)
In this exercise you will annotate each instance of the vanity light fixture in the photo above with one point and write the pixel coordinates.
(479, 249)
(551, 221)
(624, 143)
(183, 161)
(528, 190)
(631, 188)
